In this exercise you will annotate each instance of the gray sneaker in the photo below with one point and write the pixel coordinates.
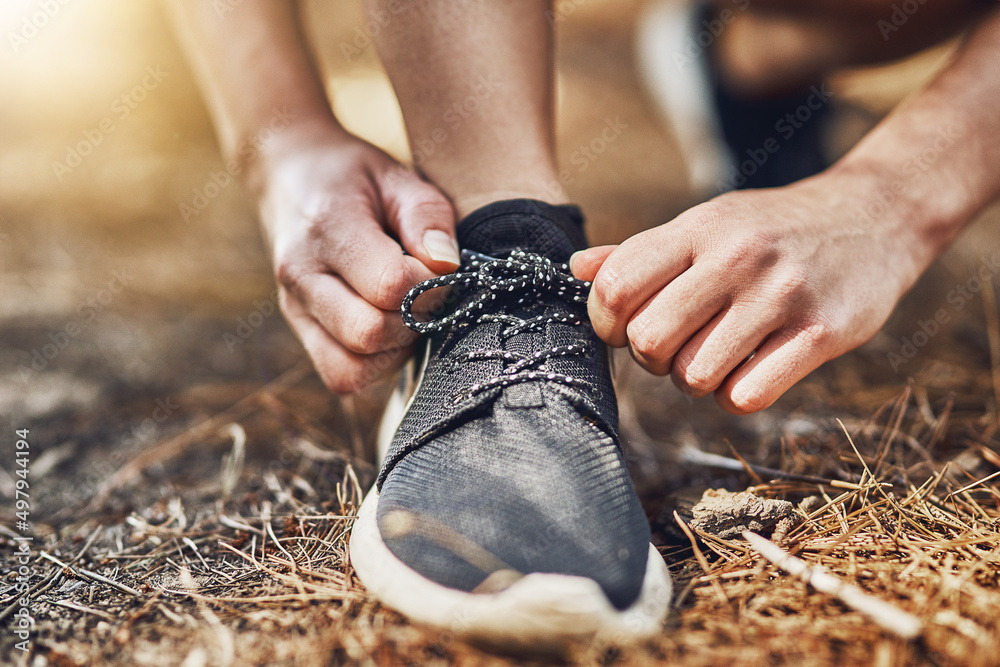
(503, 511)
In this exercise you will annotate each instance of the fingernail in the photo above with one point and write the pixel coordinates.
(441, 246)
(572, 258)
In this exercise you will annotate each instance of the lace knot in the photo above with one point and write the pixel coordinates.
(520, 278)
(524, 274)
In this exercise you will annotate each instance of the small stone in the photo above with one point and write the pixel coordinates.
(727, 514)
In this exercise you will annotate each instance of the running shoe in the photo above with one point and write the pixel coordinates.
(503, 511)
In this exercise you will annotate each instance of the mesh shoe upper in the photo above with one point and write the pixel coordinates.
(507, 461)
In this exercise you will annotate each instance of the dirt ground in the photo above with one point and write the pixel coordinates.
(181, 447)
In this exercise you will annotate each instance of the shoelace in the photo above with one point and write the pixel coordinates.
(529, 277)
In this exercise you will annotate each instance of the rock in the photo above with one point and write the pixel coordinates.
(726, 514)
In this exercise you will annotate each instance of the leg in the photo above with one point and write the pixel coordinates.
(505, 475)
(774, 45)
(759, 65)
(475, 82)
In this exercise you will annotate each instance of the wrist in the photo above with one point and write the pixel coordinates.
(876, 208)
(913, 210)
(283, 133)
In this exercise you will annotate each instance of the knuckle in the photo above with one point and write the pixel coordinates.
(356, 373)
(649, 348)
(751, 250)
(609, 290)
(706, 225)
(391, 285)
(795, 281)
(821, 333)
(696, 378)
(433, 206)
(711, 213)
(748, 400)
(644, 339)
(366, 332)
(288, 275)
(349, 377)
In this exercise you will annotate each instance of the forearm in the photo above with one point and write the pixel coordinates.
(255, 72)
(934, 163)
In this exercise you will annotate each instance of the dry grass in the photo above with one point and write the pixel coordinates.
(264, 577)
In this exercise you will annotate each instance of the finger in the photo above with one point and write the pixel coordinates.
(665, 323)
(585, 263)
(783, 359)
(352, 321)
(703, 363)
(342, 371)
(373, 264)
(629, 277)
(422, 219)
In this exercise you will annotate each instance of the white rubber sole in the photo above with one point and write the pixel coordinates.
(538, 612)
(675, 77)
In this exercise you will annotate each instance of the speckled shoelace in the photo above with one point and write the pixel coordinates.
(526, 276)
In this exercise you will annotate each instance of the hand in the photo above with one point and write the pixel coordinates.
(786, 275)
(333, 208)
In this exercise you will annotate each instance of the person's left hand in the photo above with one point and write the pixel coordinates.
(787, 275)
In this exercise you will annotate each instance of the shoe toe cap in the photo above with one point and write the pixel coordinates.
(489, 502)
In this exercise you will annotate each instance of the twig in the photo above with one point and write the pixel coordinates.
(900, 412)
(746, 466)
(224, 635)
(695, 456)
(857, 453)
(895, 620)
(48, 581)
(40, 587)
(93, 576)
(194, 547)
(75, 606)
(716, 586)
(974, 484)
(231, 523)
(232, 463)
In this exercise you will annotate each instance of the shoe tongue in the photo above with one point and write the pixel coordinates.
(555, 232)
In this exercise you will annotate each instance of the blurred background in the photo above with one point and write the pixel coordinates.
(118, 316)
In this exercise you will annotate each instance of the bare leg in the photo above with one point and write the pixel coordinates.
(475, 83)
(772, 45)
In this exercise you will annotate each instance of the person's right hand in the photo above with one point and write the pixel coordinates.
(339, 214)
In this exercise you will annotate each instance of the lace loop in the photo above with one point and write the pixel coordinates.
(522, 277)
(522, 272)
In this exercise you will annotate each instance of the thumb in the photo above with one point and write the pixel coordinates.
(422, 219)
(586, 263)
